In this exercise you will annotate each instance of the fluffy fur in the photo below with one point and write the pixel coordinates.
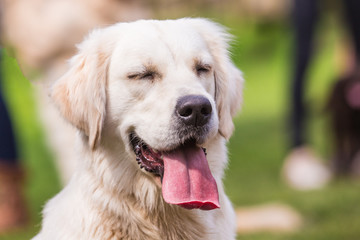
(126, 78)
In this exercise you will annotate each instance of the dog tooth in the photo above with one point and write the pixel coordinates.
(204, 149)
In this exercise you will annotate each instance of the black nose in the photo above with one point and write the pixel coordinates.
(193, 110)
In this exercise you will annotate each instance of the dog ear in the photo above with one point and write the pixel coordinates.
(80, 94)
(228, 79)
(229, 84)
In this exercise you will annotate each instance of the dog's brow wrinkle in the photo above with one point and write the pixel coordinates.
(150, 67)
(201, 62)
(164, 42)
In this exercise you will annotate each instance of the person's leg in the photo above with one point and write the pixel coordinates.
(12, 208)
(305, 14)
(8, 152)
(352, 15)
(302, 169)
(348, 159)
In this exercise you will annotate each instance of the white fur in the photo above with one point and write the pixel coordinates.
(110, 197)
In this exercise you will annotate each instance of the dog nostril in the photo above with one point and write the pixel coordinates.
(186, 112)
(206, 110)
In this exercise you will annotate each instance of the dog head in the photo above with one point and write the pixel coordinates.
(164, 88)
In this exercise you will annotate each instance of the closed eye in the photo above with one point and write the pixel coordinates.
(202, 69)
(132, 75)
(147, 75)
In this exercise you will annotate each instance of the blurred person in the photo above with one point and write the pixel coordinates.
(302, 169)
(344, 109)
(12, 207)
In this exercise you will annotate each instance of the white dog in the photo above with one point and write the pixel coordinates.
(153, 103)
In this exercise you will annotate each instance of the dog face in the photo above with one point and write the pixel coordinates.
(173, 75)
(165, 88)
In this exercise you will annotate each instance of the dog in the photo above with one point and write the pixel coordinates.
(153, 102)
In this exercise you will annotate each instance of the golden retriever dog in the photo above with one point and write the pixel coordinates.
(153, 103)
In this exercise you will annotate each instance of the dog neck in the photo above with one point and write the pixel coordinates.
(125, 196)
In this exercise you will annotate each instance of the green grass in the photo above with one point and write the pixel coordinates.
(257, 148)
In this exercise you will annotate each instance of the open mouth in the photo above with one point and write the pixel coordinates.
(146, 157)
(184, 172)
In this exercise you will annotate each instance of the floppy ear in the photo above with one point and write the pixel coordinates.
(80, 94)
(228, 79)
(229, 85)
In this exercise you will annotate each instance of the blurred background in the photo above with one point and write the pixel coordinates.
(39, 35)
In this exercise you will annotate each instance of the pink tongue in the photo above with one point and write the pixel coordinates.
(187, 179)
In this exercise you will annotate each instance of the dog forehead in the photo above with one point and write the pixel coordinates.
(163, 40)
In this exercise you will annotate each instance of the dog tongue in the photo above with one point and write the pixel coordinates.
(187, 179)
